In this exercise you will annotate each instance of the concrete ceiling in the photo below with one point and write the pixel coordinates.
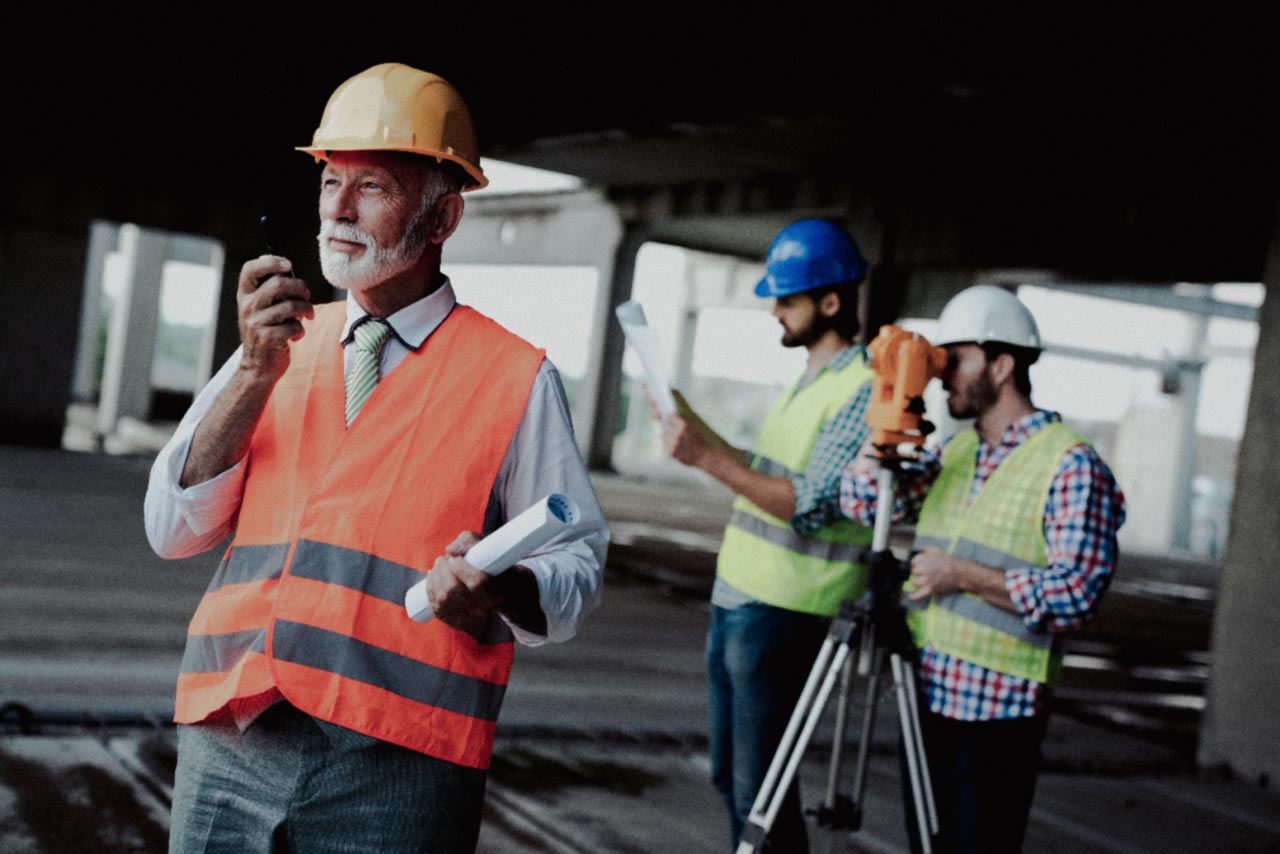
(1114, 143)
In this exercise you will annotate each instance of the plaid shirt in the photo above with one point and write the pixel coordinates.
(1083, 511)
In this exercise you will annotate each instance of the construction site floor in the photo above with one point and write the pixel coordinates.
(601, 744)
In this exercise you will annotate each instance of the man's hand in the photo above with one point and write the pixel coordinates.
(461, 595)
(690, 440)
(271, 305)
(933, 574)
(936, 573)
(683, 441)
(687, 438)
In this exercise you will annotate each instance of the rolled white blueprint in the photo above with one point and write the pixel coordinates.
(507, 546)
(644, 340)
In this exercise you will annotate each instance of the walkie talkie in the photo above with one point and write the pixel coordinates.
(271, 239)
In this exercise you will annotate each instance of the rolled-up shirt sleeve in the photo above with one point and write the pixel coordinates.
(543, 458)
(860, 490)
(183, 522)
(1083, 513)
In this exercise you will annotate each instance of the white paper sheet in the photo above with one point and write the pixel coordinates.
(644, 340)
(507, 546)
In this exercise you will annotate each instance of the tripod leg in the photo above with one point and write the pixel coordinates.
(786, 760)
(836, 817)
(913, 747)
(931, 807)
(841, 727)
(864, 737)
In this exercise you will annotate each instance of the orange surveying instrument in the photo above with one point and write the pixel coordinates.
(903, 363)
(873, 625)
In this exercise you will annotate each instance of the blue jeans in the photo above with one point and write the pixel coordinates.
(290, 784)
(758, 658)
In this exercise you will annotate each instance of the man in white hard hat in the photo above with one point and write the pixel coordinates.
(788, 558)
(348, 449)
(1015, 545)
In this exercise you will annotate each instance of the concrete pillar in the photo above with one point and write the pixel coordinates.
(682, 369)
(608, 362)
(1241, 728)
(102, 241)
(131, 338)
(1188, 405)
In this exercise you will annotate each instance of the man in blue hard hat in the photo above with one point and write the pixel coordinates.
(788, 559)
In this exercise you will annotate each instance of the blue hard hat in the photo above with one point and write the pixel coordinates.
(808, 254)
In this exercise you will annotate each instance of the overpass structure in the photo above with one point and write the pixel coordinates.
(1104, 150)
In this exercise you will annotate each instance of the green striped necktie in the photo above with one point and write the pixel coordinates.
(370, 335)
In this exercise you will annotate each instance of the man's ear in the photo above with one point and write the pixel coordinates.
(445, 217)
(1001, 369)
(829, 305)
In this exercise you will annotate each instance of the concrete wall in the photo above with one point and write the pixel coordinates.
(1241, 728)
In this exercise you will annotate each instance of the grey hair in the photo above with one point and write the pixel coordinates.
(439, 180)
(442, 178)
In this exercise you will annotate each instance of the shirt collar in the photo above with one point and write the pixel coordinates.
(843, 358)
(1028, 425)
(412, 324)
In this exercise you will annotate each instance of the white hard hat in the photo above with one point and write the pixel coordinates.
(985, 313)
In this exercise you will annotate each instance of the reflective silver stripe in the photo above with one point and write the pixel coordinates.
(219, 653)
(422, 683)
(793, 542)
(250, 563)
(972, 608)
(372, 576)
(772, 467)
(988, 556)
(936, 542)
(912, 604)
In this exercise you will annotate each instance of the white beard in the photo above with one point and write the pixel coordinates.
(375, 265)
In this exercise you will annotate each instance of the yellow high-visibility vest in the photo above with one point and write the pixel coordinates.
(762, 555)
(1003, 528)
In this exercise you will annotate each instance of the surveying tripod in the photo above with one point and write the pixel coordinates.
(873, 625)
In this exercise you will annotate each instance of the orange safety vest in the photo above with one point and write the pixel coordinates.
(336, 523)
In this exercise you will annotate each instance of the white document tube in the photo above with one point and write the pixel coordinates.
(507, 546)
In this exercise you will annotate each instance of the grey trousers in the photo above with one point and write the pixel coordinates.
(290, 784)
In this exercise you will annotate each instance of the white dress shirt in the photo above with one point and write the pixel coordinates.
(543, 457)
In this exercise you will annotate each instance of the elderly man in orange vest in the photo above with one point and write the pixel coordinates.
(350, 450)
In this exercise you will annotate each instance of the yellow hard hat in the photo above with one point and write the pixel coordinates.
(393, 107)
